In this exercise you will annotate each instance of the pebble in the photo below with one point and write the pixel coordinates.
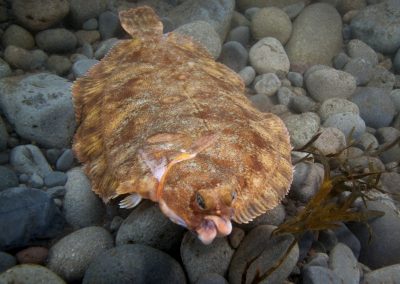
(236, 237)
(81, 11)
(217, 13)
(203, 33)
(234, 55)
(269, 56)
(52, 155)
(316, 37)
(360, 69)
(348, 123)
(274, 217)
(34, 255)
(30, 273)
(6, 261)
(386, 136)
(36, 181)
(56, 40)
(56, 192)
(314, 68)
(302, 104)
(28, 214)
(116, 222)
(65, 161)
(87, 50)
(382, 78)
(134, 263)
(376, 107)
(91, 24)
(28, 159)
(260, 253)
(82, 207)
(23, 178)
(40, 108)
(296, 79)
(378, 26)
(318, 274)
(5, 69)
(285, 96)
(293, 10)
(58, 64)
(245, 4)
(345, 6)
(396, 61)
(340, 60)
(199, 259)
(39, 15)
(238, 19)
(367, 141)
(149, 226)
(71, 255)
(212, 278)
(240, 34)
(89, 37)
(302, 127)
(318, 259)
(247, 74)
(109, 25)
(17, 36)
(345, 236)
(24, 59)
(262, 102)
(104, 47)
(8, 178)
(388, 274)
(337, 105)
(3, 135)
(271, 22)
(358, 49)
(344, 264)
(80, 67)
(55, 178)
(307, 180)
(395, 96)
(267, 84)
(328, 83)
(331, 141)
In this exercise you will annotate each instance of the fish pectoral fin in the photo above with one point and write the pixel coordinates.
(130, 201)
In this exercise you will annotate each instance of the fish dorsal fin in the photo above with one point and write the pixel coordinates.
(141, 22)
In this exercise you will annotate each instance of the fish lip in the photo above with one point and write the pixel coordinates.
(213, 226)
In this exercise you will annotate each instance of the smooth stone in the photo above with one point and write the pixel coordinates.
(36, 181)
(259, 254)
(30, 273)
(249, 13)
(388, 274)
(17, 36)
(70, 257)
(29, 159)
(296, 79)
(33, 255)
(23, 178)
(271, 22)
(80, 67)
(109, 25)
(328, 239)
(24, 59)
(269, 56)
(91, 24)
(343, 262)
(358, 49)
(386, 136)
(294, 9)
(262, 102)
(245, 4)
(316, 37)
(240, 34)
(212, 278)
(329, 83)
(318, 274)
(348, 123)
(52, 155)
(8, 178)
(285, 96)
(6, 261)
(331, 141)
(376, 107)
(318, 259)
(39, 106)
(395, 96)
(28, 214)
(340, 60)
(381, 248)
(104, 47)
(55, 178)
(303, 104)
(58, 64)
(382, 78)
(82, 207)
(65, 161)
(217, 13)
(267, 84)
(56, 191)
(149, 226)
(302, 127)
(88, 37)
(238, 19)
(396, 61)
(39, 15)
(314, 68)
(134, 263)
(367, 141)
(234, 55)
(247, 74)
(199, 259)
(361, 70)
(345, 6)
(5, 69)
(378, 26)
(274, 217)
(56, 40)
(87, 50)
(307, 180)
(236, 237)
(80, 11)
(203, 33)
(337, 105)
(345, 236)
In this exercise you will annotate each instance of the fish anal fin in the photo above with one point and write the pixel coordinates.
(130, 201)
(141, 21)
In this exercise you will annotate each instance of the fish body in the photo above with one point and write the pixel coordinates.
(160, 119)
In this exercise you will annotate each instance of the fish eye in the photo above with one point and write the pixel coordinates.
(200, 201)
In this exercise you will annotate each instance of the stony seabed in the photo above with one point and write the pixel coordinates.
(328, 67)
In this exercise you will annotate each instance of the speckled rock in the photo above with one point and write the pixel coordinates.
(234, 55)
(41, 14)
(331, 141)
(56, 40)
(388, 274)
(267, 84)
(134, 263)
(259, 254)
(316, 37)
(376, 107)
(199, 259)
(358, 49)
(80, 11)
(382, 78)
(71, 256)
(21, 58)
(6, 261)
(271, 22)
(82, 207)
(269, 56)
(337, 105)
(30, 273)
(329, 83)
(17, 36)
(347, 123)
(343, 262)
(28, 159)
(80, 67)
(361, 69)
(149, 226)
(203, 33)
(39, 106)
(302, 128)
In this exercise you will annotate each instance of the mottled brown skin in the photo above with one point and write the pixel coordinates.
(155, 95)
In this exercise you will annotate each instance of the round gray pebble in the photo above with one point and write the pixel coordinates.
(65, 161)
(56, 40)
(343, 262)
(361, 69)
(80, 67)
(296, 79)
(337, 105)
(36, 181)
(347, 123)
(90, 24)
(30, 273)
(302, 128)
(55, 178)
(234, 55)
(240, 34)
(17, 36)
(267, 84)
(58, 64)
(247, 74)
(109, 25)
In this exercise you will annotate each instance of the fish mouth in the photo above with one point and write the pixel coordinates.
(213, 226)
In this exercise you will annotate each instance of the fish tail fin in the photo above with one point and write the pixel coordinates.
(141, 21)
